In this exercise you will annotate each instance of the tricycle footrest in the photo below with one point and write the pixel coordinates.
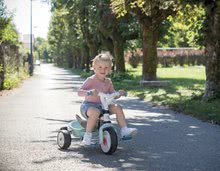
(126, 138)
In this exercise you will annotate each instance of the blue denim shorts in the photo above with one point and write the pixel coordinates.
(86, 105)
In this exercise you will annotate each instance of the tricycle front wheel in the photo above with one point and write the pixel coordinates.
(110, 141)
(63, 139)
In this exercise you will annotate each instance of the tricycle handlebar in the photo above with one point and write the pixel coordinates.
(107, 99)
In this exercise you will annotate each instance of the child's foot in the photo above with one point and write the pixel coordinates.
(128, 132)
(87, 139)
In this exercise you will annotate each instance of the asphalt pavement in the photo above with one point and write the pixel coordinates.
(31, 115)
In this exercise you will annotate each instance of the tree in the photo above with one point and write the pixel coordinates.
(185, 29)
(8, 34)
(5, 19)
(91, 26)
(41, 49)
(150, 15)
(77, 33)
(85, 12)
(101, 29)
(212, 42)
(57, 37)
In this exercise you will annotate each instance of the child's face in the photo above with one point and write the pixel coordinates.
(102, 69)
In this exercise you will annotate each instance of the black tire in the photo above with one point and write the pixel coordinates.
(110, 141)
(63, 139)
(63, 128)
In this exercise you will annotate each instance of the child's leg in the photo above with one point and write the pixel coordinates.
(117, 109)
(93, 115)
(125, 131)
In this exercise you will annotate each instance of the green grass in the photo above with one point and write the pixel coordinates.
(184, 93)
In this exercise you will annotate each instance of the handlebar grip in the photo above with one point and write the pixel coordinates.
(89, 93)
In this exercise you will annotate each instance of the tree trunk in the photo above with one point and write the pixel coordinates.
(115, 44)
(2, 67)
(86, 57)
(107, 42)
(93, 49)
(119, 54)
(109, 27)
(149, 68)
(212, 89)
(70, 58)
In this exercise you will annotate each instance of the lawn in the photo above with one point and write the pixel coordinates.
(183, 94)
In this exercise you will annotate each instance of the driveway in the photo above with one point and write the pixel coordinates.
(31, 115)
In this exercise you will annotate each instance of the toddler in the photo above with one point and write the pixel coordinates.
(91, 106)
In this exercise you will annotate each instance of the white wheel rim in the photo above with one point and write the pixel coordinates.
(106, 142)
(60, 139)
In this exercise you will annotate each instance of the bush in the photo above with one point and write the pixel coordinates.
(181, 56)
(118, 76)
(86, 74)
(166, 61)
(11, 81)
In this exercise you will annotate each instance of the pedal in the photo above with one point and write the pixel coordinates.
(91, 145)
(126, 138)
(81, 121)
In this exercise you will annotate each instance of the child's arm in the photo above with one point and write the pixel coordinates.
(122, 93)
(82, 92)
(86, 90)
(92, 92)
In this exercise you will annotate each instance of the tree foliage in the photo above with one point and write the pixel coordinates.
(91, 27)
(5, 19)
(9, 54)
(42, 50)
(88, 27)
(185, 29)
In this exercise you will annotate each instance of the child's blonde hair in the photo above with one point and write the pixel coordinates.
(106, 57)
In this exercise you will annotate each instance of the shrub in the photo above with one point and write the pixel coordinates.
(118, 76)
(11, 81)
(86, 74)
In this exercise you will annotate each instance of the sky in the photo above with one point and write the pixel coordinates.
(40, 16)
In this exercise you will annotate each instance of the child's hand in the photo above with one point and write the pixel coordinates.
(92, 92)
(122, 92)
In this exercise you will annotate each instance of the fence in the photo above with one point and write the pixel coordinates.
(10, 61)
(168, 57)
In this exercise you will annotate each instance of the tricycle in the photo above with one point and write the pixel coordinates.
(107, 134)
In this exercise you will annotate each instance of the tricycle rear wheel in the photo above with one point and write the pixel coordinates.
(64, 128)
(63, 139)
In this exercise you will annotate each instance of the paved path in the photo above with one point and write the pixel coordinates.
(31, 115)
